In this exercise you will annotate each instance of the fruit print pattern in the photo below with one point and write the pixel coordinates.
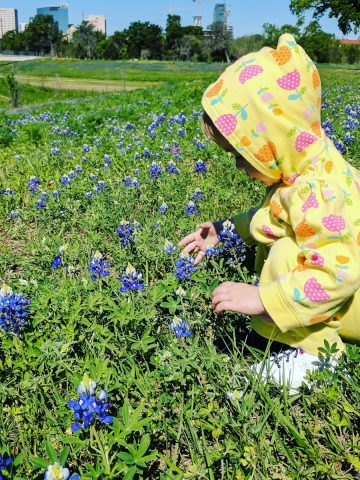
(281, 89)
(249, 72)
(310, 202)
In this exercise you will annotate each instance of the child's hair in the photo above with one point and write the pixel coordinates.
(210, 130)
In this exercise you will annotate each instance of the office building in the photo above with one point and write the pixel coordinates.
(8, 20)
(221, 16)
(99, 22)
(59, 13)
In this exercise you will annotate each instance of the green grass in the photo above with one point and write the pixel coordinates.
(168, 396)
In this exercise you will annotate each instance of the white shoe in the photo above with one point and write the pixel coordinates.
(290, 367)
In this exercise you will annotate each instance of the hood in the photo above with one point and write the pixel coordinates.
(267, 105)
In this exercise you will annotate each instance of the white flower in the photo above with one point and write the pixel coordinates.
(56, 472)
(87, 385)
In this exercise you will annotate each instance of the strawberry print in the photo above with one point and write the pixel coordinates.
(292, 178)
(249, 72)
(317, 259)
(311, 202)
(291, 81)
(315, 292)
(303, 140)
(335, 223)
(226, 123)
(267, 230)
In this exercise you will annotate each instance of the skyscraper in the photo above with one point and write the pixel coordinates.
(8, 20)
(220, 13)
(99, 22)
(59, 13)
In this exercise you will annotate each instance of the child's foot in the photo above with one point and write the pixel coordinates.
(290, 367)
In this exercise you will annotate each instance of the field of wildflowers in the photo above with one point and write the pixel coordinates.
(114, 365)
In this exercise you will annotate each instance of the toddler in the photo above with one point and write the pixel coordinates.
(265, 109)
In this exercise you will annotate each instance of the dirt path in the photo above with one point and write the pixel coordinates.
(64, 83)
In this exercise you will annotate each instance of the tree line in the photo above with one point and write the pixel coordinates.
(145, 40)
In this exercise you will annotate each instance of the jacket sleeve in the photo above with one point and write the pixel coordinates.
(326, 272)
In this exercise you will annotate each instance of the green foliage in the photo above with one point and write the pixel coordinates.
(173, 417)
(347, 12)
(14, 89)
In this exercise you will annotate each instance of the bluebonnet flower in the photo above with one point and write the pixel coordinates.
(55, 152)
(169, 248)
(70, 154)
(89, 194)
(340, 145)
(13, 215)
(175, 149)
(71, 174)
(97, 267)
(256, 282)
(93, 177)
(57, 472)
(163, 208)
(137, 171)
(125, 233)
(135, 183)
(13, 311)
(348, 138)
(199, 145)
(131, 280)
(200, 166)
(198, 195)
(181, 132)
(8, 192)
(191, 209)
(44, 196)
(172, 168)
(89, 406)
(86, 148)
(40, 204)
(78, 169)
(231, 243)
(127, 181)
(167, 147)
(57, 261)
(146, 153)
(4, 463)
(101, 187)
(33, 183)
(210, 250)
(84, 159)
(137, 156)
(107, 159)
(65, 180)
(184, 267)
(155, 170)
(55, 193)
(180, 328)
(156, 224)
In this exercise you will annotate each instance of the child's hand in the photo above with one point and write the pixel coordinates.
(199, 240)
(237, 297)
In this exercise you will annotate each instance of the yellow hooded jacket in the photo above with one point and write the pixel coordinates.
(267, 105)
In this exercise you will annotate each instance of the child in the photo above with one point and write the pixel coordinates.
(265, 109)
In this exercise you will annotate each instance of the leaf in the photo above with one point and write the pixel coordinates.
(144, 445)
(127, 458)
(236, 106)
(297, 295)
(130, 474)
(51, 452)
(244, 115)
(292, 132)
(40, 462)
(294, 96)
(64, 455)
(214, 101)
(18, 459)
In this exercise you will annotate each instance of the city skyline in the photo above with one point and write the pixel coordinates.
(120, 15)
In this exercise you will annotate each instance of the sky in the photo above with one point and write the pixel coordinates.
(246, 16)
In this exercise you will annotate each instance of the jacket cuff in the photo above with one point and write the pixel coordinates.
(277, 308)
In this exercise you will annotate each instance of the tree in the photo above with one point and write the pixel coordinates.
(246, 44)
(85, 40)
(219, 42)
(173, 35)
(347, 12)
(41, 34)
(271, 32)
(143, 36)
(114, 47)
(319, 45)
(13, 41)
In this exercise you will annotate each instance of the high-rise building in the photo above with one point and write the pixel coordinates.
(8, 20)
(221, 15)
(22, 26)
(99, 22)
(60, 14)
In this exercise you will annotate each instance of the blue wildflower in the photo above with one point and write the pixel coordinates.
(13, 215)
(169, 248)
(163, 208)
(89, 407)
(97, 267)
(57, 472)
(172, 168)
(78, 169)
(199, 145)
(231, 244)
(55, 152)
(125, 233)
(127, 181)
(184, 267)
(191, 209)
(210, 250)
(200, 166)
(44, 196)
(13, 311)
(40, 204)
(33, 183)
(57, 262)
(8, 192)
(86, 148)
(198, 195)
(55, 193)
(131, 280)
(65, 180)
(155, 170)
(180, 328)
(4, 463)
(181, 132)
(101, 187)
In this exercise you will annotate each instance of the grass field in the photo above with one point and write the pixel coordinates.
(71, 176)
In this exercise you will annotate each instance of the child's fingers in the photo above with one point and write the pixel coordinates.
(199, 257)
(189, 238)
(189, 248)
